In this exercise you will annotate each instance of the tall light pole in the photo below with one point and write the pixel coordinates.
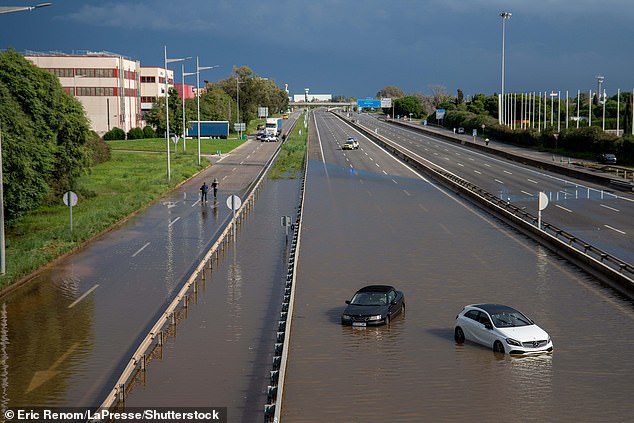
(197, 73)
(10, 9)
(504, 16)
(3, 261)
(183, 98)
(238, 105)
(167, 109)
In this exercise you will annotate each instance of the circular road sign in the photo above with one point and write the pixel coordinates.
(70, 198)
(234, 202)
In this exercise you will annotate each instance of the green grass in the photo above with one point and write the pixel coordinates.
(207, 146)
(290, 162)
(112, 191)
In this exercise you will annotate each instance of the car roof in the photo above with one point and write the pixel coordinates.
(493, 308)
(376, 288)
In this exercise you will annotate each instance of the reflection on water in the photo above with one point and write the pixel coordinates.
(443, 256)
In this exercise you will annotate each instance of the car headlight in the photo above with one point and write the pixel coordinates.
(512, 341)
(377, 317)
(345, 317)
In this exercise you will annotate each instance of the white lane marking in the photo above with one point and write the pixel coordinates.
(507, 172)
(384, 172)
(478, 172)
(141, 249)
(407, 193)
(234, 169)
(224, 177)
(498, 181)
(460, 164)
(197, 201)
(242, 162)
(350, 164)
(527, 193)
(610, 208)
(563, 208)
(394, 181)
(377, 165)
(534, 182)
(370, 157)
(616, 230)
(487, 165)
(83, 296)
(174, 221)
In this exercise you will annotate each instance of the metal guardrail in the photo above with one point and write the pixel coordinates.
(275, 389)
(608, 268)
(169, 316)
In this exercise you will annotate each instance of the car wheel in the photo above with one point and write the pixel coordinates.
(458, 335)
(498, 347)
(387, 319)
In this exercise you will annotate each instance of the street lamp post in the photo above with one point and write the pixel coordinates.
(167, 114)
(504, 16)
(10, 9)
(197, 73)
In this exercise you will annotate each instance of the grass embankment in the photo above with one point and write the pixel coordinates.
(112, 191)
(207, 146)
(290, 162)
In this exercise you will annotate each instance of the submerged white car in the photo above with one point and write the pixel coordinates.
(502, 328)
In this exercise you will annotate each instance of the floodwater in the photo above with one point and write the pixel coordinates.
(222, 352)
(360, 229)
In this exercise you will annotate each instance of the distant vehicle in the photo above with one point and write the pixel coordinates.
(355, 143)
(502, 328)
(285, 116)
(209, 129)
(373, 305)
(606, 158)
(270, 138)
(348, 145)
(274, 126)
(461, 130)
(261, 136)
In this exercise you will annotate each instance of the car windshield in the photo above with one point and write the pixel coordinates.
(510, 319)
(369, 299)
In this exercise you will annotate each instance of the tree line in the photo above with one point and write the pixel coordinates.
(46, 138)
(481, 111)
(219, 101)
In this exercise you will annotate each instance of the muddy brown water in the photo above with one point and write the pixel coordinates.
(443, 254)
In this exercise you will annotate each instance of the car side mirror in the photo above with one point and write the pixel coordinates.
(488, 325)
(347, 301)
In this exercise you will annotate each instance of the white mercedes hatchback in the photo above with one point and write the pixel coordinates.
(502, 328)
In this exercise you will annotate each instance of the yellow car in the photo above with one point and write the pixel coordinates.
(350, 145)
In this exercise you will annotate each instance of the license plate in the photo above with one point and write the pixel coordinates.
(359, 324)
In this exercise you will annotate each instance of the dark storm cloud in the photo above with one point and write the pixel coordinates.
(357, 47)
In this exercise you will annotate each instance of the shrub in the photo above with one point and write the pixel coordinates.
(99, 151)
(136, 134)
(148, 132)
(114, 134)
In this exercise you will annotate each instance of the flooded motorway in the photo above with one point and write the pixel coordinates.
(369, 220)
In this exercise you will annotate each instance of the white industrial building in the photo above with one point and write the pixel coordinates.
(109, 86)
(311, 97)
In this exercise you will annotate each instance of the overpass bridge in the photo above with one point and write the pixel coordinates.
(314, 104)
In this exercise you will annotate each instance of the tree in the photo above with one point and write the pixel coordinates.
(406, 105)
(390, 92)
(460, 97)
(45, 131)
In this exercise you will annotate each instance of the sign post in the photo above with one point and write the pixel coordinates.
(542, 203)
(234, 202)
(70, 199)
(286, 222)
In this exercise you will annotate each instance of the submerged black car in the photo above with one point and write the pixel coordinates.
(373, 305)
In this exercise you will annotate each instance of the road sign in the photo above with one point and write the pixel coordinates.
(369, 103)
(542, 203)
(263, 112)
(440, 114)
(70, 199)
(386, 103)
(474, 132)
(286, 221)
(239, 126)
(234, 202)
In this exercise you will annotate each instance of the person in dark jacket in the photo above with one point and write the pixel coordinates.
(203, 192)
(214, 185)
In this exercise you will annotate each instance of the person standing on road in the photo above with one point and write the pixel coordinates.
(203, 192)
(214, 185)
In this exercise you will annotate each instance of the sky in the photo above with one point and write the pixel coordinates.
(353, 48)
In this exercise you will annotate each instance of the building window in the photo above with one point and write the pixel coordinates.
(148, 79)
